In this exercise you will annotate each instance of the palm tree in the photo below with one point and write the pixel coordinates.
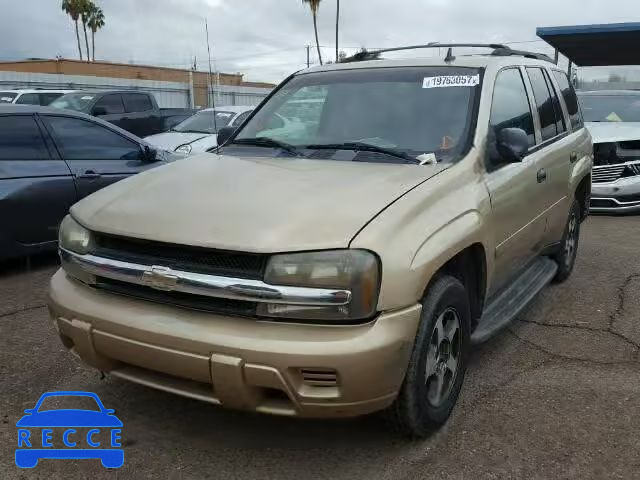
(95, 23)
(86, 6)
(73, 8)
(337, 24)
(314, 5)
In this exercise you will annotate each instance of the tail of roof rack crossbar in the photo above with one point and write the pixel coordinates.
(498, 50)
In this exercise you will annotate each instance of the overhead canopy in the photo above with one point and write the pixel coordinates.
(596, 45)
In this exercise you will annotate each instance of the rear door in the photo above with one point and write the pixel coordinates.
(141, 118)
(552, 153)
(36, 186)
(96, 155)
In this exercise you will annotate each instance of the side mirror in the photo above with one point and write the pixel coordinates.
(224, 134)
(512, 144)
(148, 154)
(98, 111)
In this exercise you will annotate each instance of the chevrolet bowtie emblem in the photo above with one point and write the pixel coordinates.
(160, 278)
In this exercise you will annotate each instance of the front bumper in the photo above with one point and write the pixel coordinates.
(243, 363)
(622, 195)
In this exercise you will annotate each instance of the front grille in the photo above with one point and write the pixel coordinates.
(178, 299)
(608, 173)
(181, 257)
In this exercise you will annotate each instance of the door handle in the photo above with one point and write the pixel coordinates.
(89, 174)
(542, 175)
(573, 158)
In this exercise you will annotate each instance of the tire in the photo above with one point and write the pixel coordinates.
(418, 409)
(566, 257)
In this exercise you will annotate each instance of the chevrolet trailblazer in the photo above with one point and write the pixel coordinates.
(345, 266)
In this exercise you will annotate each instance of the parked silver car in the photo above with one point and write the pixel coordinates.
(613, 118)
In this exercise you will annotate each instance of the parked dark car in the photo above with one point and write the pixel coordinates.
(136, 112)
(51, 158)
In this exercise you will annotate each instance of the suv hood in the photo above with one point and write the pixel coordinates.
(250, 204)
(605, 132)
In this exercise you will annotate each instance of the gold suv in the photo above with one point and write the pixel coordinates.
(344, 248)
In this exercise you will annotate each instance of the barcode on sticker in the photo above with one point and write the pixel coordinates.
(451, 81)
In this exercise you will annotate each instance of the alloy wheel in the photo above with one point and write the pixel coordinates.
(443, 357)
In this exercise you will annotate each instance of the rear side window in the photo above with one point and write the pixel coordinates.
(510, 107)
(28, 99)
(544, 103)
(136, 102)
(83, 140)
(570, 99)
(47, 98)
(112, 104)
(20, 139)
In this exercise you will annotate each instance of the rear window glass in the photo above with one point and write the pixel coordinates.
(7, 97)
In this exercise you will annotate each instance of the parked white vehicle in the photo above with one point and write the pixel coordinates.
(197, 133)
(613, 119)
(31, 97)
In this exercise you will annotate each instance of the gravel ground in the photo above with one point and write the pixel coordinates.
(557, 395)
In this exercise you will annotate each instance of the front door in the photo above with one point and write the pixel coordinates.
(517, 221)
(96, 155)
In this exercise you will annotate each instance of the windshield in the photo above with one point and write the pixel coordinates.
(7, 97)
(413, 111)
(611, 108)
(203, 122)
(73, 101)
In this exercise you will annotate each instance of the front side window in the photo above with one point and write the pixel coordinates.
(544, 104)
(510, 107)
(412, 110)
(20, 139)
(611, 108)
(136, 102)
(205, 121)
(84, 140)
(110, 104)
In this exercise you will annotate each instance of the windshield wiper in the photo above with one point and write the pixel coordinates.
(364, 147)
(267, 142)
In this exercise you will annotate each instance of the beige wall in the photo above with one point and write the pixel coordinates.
(115, 70)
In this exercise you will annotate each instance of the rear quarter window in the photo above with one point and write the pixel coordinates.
(570, 99)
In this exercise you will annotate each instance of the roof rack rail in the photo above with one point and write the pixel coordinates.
(498, 50)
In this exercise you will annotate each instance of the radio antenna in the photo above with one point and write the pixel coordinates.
(210, 88)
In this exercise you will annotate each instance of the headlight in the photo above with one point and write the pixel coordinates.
(186, 149)
(355, 270)
(73, 236)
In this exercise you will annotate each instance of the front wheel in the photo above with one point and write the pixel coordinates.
(438, 361)
(566, 257)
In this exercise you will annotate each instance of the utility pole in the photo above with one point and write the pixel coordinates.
(308, 62)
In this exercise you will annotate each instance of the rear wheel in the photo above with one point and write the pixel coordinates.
(438, 361)
(566, 257)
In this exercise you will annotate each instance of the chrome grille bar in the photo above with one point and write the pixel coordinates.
(162, 278)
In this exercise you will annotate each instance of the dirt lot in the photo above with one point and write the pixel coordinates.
(555, 396)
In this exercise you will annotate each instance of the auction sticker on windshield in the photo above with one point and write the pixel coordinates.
(451, 81)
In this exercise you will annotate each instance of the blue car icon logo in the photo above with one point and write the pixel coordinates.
(37, 428)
